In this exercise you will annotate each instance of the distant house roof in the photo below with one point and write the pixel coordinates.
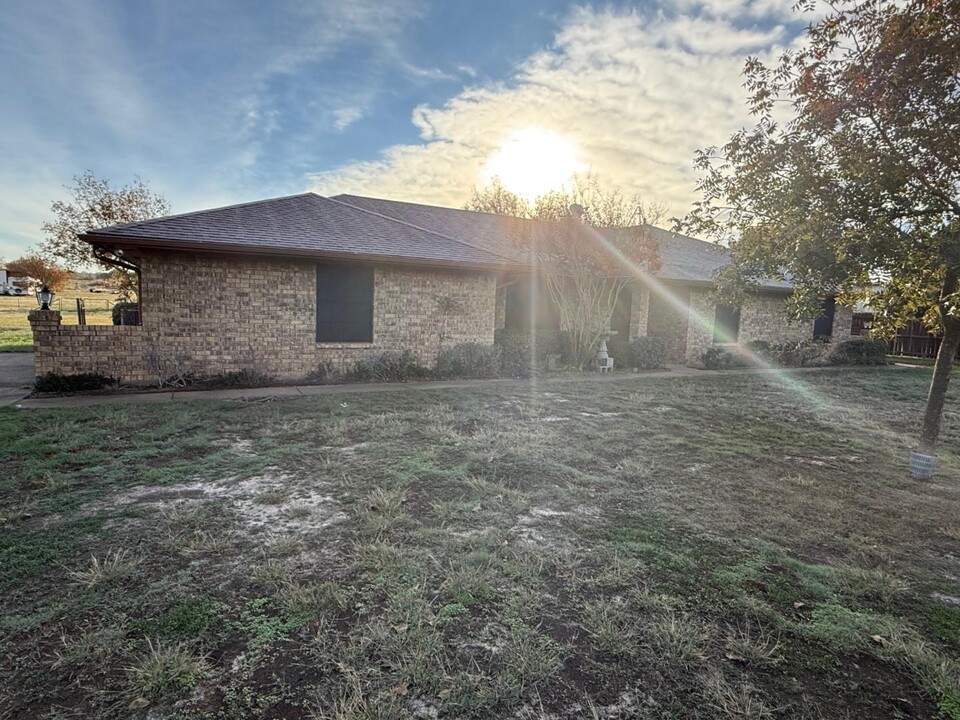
(352, 226)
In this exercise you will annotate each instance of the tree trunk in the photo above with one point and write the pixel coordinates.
(941, 372)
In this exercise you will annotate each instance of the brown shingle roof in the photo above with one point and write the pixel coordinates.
(682, 258)
(353, 226)
(301, 224)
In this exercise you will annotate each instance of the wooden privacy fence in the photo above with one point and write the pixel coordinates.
(912, 339)
(915, 340)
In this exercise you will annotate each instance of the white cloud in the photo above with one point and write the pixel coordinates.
(639, 93)
(346, 116)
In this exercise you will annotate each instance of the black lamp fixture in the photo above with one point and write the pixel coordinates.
(44, 297)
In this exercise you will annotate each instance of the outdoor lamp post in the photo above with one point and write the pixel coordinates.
(44, 297)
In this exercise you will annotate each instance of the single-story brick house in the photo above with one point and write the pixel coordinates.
(293, 282)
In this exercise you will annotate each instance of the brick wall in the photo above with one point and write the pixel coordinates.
(668, 321)
(688, 330)
(763, 317)
(700, 326)
(227, 312)
(842, 324)
(109, 350)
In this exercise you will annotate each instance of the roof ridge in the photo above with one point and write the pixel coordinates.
(710, 245)
(137, 223)
(418, 227)
(498, 215)
(434, 207)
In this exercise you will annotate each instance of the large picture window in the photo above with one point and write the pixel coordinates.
(344, 303)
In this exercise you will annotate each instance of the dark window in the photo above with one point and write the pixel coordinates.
(530, 305)
(823, 325)
(344, 303)
(726, 324)
(620, 318)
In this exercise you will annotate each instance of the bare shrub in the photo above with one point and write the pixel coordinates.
(168, 366)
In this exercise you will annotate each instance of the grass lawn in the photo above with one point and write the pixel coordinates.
(924, 361)
(15, 335)
(719, 547)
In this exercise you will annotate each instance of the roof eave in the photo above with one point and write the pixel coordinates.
(129, 242)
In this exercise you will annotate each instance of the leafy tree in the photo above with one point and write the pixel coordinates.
(585, 249)
(126, 284)
(860, 186)
(40, 271)
(96, 204)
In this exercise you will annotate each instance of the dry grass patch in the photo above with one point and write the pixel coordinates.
(115, 566)
(165, 669)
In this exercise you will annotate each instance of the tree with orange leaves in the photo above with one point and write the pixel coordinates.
(39, 271)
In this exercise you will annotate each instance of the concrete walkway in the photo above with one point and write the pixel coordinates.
(16, 377)
(286, 391)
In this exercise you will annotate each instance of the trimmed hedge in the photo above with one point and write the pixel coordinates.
(57, 383)
(860, 351)
(468, 360)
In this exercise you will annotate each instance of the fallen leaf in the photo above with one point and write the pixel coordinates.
(443, 694)
(137, 703)
(401, 628)
(400, 689)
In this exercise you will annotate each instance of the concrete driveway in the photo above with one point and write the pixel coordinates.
(16, 377)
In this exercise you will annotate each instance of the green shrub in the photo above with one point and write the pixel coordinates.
(619, 349)
(520, 356)
(788, 354)
(126, 313)
(860, 351)
(648, 353)
(389, 366)
(244, 377)
(468, 360)
(57, 383)
(717, 358)
(645, 353)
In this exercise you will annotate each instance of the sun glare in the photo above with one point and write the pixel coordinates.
(533, 161)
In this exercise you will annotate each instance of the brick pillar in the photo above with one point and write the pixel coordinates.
(46, 327)
(699, 326)
(639, 311)
(43, 321)
(842, 323)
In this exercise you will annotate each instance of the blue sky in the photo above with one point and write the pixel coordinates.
(220, 101)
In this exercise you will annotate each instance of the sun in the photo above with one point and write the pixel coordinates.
(533, 161)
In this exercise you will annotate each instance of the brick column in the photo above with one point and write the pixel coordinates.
(45, 325)
(842, 323)
(639, 310)
(43, 321)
